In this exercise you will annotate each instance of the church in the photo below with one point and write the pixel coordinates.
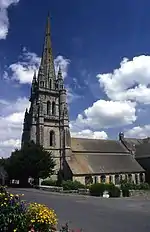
(47, 123)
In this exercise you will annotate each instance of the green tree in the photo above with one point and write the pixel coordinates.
(30, 161)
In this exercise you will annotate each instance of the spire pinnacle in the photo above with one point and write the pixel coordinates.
(34, 77)
(47, 62)
(60, 73)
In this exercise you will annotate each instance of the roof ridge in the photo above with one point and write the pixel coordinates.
(115, 140)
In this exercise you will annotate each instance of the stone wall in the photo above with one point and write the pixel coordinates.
(142, 193)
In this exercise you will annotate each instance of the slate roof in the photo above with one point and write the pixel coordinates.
(101, 156)
(142, 150)
(141, 147)
(88, 163)
(97, 145)
(130, 143)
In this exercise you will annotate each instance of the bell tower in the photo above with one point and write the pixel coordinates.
(47, 121)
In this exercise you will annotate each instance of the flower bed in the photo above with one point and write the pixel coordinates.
(18, 216)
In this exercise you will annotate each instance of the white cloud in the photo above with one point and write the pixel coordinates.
(105, 114)
(138, 132)
(129, 82)
(63, 63)
(90, 134)
(11, 123)
(4, 21)
(29, 62)
(23, 70)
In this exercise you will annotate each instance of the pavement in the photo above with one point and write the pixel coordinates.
(94, 214)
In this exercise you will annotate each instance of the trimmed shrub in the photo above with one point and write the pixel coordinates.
(125, 192)
(144, 186)
(49, 182)
(72, 185)
(97, 189)
(132, 186)
(114, 192)
(109, 187)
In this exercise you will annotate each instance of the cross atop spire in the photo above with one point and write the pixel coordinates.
(47, 62)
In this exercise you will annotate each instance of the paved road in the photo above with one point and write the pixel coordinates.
(95, 214)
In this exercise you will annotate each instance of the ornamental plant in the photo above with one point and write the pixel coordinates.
(18, 216)
(41, 218)
(12, 212)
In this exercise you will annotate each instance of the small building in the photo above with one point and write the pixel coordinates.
(95, 160)
(140, 150)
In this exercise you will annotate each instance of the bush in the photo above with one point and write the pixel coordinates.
(97, 189)
(125, 187)
(49, 182)
(125, 192)
(41, 217)
(144, 186)
(114, 192)
(12, 212)
(72, 185)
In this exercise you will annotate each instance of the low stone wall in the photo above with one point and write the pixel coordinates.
(51, 188)
(143, 193)
(133, 193)
(60, 189)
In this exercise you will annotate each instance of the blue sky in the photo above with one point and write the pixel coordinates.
(104, 49)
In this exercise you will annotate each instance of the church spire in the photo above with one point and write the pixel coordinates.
(47, 62)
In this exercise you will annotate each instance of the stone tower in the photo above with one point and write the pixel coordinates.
(47, 121)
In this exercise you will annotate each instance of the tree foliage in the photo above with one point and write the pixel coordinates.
(30, 161)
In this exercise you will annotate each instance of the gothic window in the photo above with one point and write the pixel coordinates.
(42, 83)
(130, 178)
(52, 138)
(120, 178)
(126, 177)
(50, 83)
(117, 179)
(141, 178)
(103, 179)
(88, 180)
(53, 108)
(110, 179)
(95, 179)
(48, 108)
(136, 178)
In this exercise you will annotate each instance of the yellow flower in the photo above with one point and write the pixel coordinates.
(14, 230)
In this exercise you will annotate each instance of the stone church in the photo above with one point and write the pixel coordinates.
(47, 123)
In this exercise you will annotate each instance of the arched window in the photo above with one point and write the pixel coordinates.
(103, 179)
(110, 179)
(53, 108)
(117, 179)
(42, 84)
(88, 180)
(95, 179)
(141, 178)
(52, 139)
(130, 178)
(50, 83)
(48, 108)
(136, 178)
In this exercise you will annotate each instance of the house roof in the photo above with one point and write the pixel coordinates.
(100, 163)
(143, 150)
(141, 147)
(130, 143)
(97, 145)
